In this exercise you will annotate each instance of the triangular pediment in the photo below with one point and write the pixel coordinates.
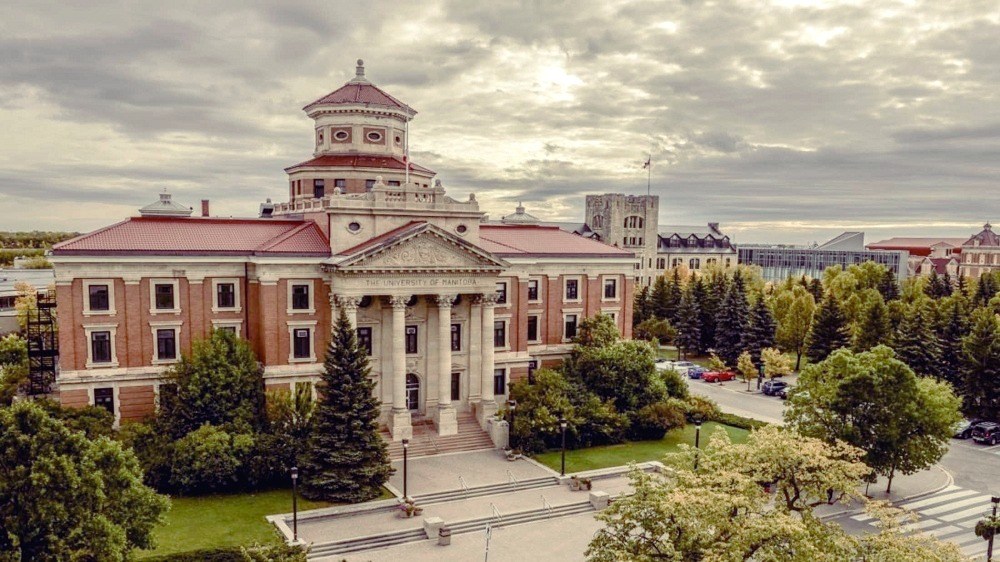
(426, 249)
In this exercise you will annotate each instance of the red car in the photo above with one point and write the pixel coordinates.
(718, 376)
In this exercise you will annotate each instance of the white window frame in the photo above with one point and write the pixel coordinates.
(506, 292)
(238, 300)
(91, 399)
(567, 313)
(579, 288)
(176, 327)
(87, 283)
(618, 290)
(226, 323)
(539, 281)
(612, 312)
(302, 325)
(88, 329)
(538, 328)
(177, 296)
(312, 296)
(506, 332)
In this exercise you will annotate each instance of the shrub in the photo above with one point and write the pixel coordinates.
(655, 420)
(599, 423)
(741, 422)
(209, 459)
(255, 553)
(674, 383)
(701, 408)
(154, 449)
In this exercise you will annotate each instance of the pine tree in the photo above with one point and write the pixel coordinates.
(704, 300)
(953, 329)
(888, 286)
(346, 460)
(688, 321)
(731, 325)
(933, 288)
(985, 289)
(760, 333)
(674, 293)
(947, 287)
(829, 330)
(816, 288)
(980, 388)
(658, 299)
(641, 307)
(874, 327)
(915, 342)
(963, 285)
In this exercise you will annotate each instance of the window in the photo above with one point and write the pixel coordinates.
(570, 331)
(164, 296)
(572, 289)
(105, 398)
(100, 347)
(500, 333)
(341, 135)
(301, 344)
(456, 337)
(532, 289)
(456, 386)
(99, 297)
(365, 339)
(610, 288)
(319, 188)
(369, 184)
(225, 295)
(501, 292)
(166, 344)
(532, 328)
(729, 262)
(461, 229)
(230, 329)
(354, 226)
(411, 339)
(319, 136)
(374, 136)
(499, 382)
(393, 183)
(694, 263)
(532, 367)
(300, 297)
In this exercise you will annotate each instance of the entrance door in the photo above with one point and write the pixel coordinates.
(412, 392)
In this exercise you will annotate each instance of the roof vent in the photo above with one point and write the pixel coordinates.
(267, 209)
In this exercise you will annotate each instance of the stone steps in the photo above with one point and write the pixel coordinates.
(426, 441)
(383, 540)
(486, 490)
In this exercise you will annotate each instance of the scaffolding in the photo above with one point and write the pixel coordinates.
(43, 345)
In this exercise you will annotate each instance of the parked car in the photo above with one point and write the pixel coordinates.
(771, 388)
(683, 367)
(696, 372)
(718, 376)
(663, 364)
(986, 432)
(963, 429)
(783, 393)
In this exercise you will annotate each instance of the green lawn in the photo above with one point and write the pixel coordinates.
(638, 451)
(222, 520)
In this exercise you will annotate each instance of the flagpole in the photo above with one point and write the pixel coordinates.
(406, 150)
(649, 172)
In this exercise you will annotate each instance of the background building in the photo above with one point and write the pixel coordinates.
(981, 253)
(694, 248)
(927, 254)
(777, 262)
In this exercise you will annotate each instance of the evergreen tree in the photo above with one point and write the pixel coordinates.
(874, 327)
(816, 288)
(641, 307)
(346, 460)
(963, 286)
(888, 286)
(829, 330)
(985, 289)
(707, 306)
(731, 324)
(761, 331)
(980, 387)
(658, 300)
(953, 329)
(674, 293)
(688, 321)
(915, 342)
(947, 287)
(934, 288)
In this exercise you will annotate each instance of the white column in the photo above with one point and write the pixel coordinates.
(487, 405)
(446, 421)
(400, 426)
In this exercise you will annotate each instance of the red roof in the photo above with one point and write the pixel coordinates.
(941, 264)
(361, 92)
(917, 246)
(359, 161)
(542, 241)
(201, 236)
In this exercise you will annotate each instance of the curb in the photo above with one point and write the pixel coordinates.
(949, 481)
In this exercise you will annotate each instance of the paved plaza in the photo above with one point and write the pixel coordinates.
(445, 472)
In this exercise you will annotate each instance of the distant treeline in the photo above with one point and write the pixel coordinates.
(35, 240)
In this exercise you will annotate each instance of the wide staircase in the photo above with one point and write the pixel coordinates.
(427, 442)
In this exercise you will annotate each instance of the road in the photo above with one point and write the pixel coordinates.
(950, 513)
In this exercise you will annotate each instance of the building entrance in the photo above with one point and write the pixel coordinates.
(412, 392)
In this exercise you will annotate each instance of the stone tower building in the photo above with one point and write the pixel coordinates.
(627, 221)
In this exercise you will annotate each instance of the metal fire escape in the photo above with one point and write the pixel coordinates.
(43, 345)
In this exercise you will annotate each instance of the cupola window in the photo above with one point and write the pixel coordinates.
(374, 136)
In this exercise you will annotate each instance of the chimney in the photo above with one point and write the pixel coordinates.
(204, 207)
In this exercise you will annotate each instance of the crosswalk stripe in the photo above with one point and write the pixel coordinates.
(982, 500)
(862, 517)
(958, 516)
(946, 531)
(937, 499)
(919, 525)
(973, 549)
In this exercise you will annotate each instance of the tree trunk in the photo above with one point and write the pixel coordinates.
(892, 472)
(798, 359)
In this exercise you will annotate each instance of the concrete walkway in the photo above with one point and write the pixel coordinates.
(440, 473)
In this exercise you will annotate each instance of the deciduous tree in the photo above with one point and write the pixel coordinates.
(776, 363)
(794, 311)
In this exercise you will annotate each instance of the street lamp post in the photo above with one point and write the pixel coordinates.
(295, 504)
(406, 446)
(989, 548)
(562, 426)
(512, 404)
(697, 441)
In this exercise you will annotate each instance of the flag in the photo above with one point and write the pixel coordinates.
(648, 163)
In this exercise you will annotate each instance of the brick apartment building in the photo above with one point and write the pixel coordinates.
(450, 309)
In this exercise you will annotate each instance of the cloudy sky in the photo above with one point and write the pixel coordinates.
(785, 120)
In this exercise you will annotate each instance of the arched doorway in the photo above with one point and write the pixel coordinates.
(412, 392)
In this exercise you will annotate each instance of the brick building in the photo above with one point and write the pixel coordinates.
(450, 309)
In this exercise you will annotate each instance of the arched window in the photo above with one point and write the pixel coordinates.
(598, 221)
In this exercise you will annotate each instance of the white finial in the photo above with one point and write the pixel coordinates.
(360, 70)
